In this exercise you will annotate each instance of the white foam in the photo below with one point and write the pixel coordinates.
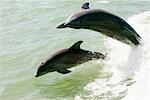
(104, 1)
(141, 89)
(127, 68)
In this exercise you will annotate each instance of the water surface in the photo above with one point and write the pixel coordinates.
(28, 35)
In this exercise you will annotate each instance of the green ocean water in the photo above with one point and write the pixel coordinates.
(28, 35)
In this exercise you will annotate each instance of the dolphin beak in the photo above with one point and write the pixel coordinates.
(36, 75)
(61, 26)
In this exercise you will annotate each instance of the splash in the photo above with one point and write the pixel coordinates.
(141, 89)
(126, 69)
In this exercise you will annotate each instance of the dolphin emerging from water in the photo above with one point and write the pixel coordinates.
(104, 22)
(67, 58)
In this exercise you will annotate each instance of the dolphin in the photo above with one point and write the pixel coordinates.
(67, 58)
(104, 22)
(86, 6)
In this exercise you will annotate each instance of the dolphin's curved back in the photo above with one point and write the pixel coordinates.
(104, 22)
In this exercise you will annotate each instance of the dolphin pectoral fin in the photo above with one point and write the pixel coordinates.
(63, 71)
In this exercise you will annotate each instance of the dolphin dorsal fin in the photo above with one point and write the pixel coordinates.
(85, 6)
(76, 46)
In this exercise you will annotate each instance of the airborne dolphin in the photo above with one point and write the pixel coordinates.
(104, 22)
(67, 58)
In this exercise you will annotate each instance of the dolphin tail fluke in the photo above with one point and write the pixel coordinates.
(130, 33)
(134, 39)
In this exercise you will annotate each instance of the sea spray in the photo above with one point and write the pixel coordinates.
(124, 68)
(141, 89)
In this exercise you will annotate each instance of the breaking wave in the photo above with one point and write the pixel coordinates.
(126, 71)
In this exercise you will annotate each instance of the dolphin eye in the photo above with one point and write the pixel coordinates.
(42, 63)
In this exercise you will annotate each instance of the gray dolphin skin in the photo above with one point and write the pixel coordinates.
(67, 58)
(103, 22)
(85, 6)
